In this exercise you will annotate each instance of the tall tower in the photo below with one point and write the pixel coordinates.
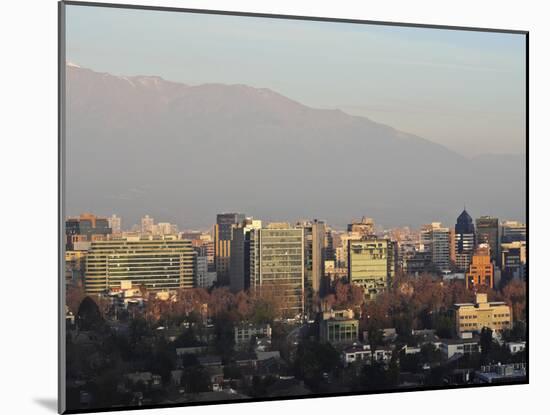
(465, 240)
(488, 233)
(239, 269)
(223, 234)
(435, 239)
(147, 224)
(115, 223)
(277, 265)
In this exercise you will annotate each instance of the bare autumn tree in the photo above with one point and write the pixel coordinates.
(244, 305)
(74, 296)
(191, 301)
(221, 300)
(341, 291)
(514, 294)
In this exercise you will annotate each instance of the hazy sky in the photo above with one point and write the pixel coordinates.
(465, 90)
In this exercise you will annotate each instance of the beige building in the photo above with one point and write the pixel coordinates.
(159, 263)
(474, 317)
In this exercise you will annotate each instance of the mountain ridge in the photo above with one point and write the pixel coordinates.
(230, 139)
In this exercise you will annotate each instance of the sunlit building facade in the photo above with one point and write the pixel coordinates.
(277, 264)
(157, 263)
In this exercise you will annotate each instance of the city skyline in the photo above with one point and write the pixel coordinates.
(124, 226)
(264, 208)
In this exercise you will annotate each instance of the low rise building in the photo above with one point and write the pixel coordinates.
(339, 327)
(495, 315)
(516, 347)
(246, 331)
(464, 346)
(513, 372)
(362, 353)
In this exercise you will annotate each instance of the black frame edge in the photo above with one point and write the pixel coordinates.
(289, 17)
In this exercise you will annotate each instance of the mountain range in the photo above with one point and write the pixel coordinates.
(181, 153)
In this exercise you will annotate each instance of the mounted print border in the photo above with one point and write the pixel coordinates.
(184, 115)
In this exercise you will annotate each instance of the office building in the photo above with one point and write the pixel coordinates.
(435, 239)
(223, 233)
(85, 228)
(75, 266)
(514, 260)
(165, 228)
(364, 228)
(371, 264)
(465, 241)
(314, 249)
(204, 278)
(245, 332)
(239, 268)
(487, 228)
(481, 270)
(513, 231)
(328, 247)
(158, 263)
(470, 317)
(147, 224)
(115, 223)
(277, 265)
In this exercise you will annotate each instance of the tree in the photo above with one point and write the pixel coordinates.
(196, 379)
(374, 377)
(313, 359)
(375, 339)
(221, 301)
(514, 293)
(88, 316)
(225, 336)
(74, 296)
(444, 326)
(486, 343)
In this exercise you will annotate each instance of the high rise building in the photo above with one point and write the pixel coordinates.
(488, 233)
(223, 233)
(314, 254)
(513, 231)
(514, 260)
(364, 228)
(277, 264)
(343, 247)
(159, 263)
(204, 278)
(371, 264)
(329, 253)
(147, 224)
(165, 228)
(465, 241)
(115, 223)
(239, 269)
(481, 270)
(85, 228)
(436, 240)
(314, 249)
